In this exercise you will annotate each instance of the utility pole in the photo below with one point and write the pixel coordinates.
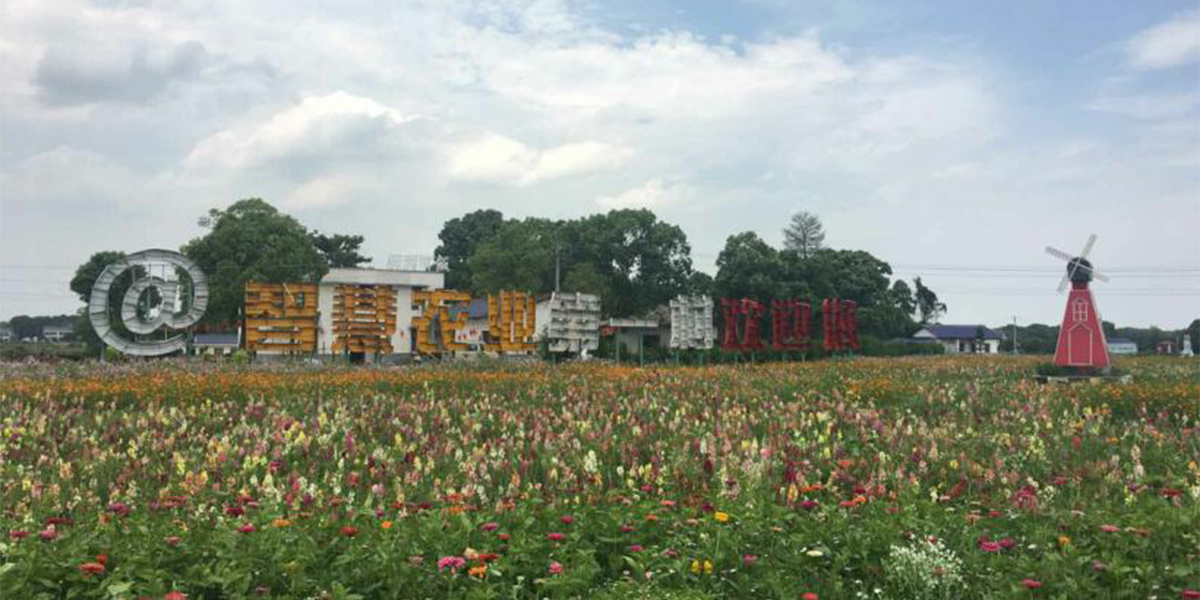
(1014, 348)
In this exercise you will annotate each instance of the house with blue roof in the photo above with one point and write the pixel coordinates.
(961, 339)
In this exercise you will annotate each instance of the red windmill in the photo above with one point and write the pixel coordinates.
(1081, 342)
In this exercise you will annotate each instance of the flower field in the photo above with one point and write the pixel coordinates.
(902, 478)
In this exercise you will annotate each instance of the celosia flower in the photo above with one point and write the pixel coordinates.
(454, 563)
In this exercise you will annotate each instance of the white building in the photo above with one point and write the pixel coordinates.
(57, 333)
(961, 339)
(1118, 345)
(402, 284)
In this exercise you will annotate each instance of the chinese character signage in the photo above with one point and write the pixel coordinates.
(791, 324)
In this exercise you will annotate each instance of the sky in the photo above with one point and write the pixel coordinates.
(954, 140)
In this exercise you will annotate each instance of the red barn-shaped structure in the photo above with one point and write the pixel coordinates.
(1081, 341)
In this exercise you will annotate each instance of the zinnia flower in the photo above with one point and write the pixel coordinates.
(1031, 583)
(554, 537)
(489, 527)
(636, 548)
(91, 568)
(173, 595)
(721, 517)
(749, 559)
(568, 519)
(1191, 594)
(48, 535)
(808, 504)
(172, 540)
(477, 571)
(349, 531)
(17, 535)
(247, 528)
(1110, 528)
(989, 546)
(809, 596)
(556, 568)
(454, 563)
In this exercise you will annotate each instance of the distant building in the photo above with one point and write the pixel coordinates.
(635, 335)
(216, 343)
(57, 333)
(1165, 347)
(6, 332)
(475, 332)
(1118, 345)
(961, 339)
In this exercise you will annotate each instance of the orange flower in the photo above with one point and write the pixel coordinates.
(281, 523)
(477, 571)
(386, 525)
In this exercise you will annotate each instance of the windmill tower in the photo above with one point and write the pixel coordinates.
(1081, 342)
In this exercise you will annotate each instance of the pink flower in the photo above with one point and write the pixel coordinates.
(636, 548)
(808, 504)
(1007, 543)
(568, 519)
(48, 535)
(235, 511)
(247, 528)
(670, 553)
(173, 595)
(749, 559)
(1191, 594)
(504, 537)
(17, 535)
(556, 568)
(554, 537)
(454, 563)
(1110, 528)
(989, 546)
(1032, 584)
(489, 527)
(626, 528)
(172, 540)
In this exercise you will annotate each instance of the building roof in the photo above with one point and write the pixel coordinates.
(960, 332)
(1117, 340)
(63, 328)
(477, 309)
(216, 339)
(361, 276)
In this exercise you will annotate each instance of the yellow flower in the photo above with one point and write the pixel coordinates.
(1064, 541)
(279, 523)
(707, 568)
(696, 567)
(386, 524)
(721, 517)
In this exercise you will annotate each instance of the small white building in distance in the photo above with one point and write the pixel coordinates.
(961, 339)
(57, 333)
(1118, 345)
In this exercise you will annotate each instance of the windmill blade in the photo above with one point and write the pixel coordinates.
(1062, 285)
(1055, 252)
(1087, 248)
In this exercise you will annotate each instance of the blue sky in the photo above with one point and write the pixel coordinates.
(940, 136)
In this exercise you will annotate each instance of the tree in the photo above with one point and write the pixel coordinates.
(928, 305)
(460, 238)
(339, 251)
(1193, 332)
(251, 240)
(584, 278)
(520, 256)
(902, 297)
(748, 267)
(804, 234)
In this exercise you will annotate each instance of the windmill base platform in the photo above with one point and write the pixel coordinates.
(1085, 378)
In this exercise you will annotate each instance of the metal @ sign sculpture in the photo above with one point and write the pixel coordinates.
(168, 315)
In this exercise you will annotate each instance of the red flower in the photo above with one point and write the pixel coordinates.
(554, 537)
(175, 596)
(626, 528)
(504, 537)
(247, 528)
(489, 527)
(235, 511)
(989, 546)
(1032, 584)
(172, 540)
(636, 548)
(1110, 528)
(349, 531)
(749, 559)
(1191, 594)
(48, 535)
(568, 519)
(808, 504)
(556, 568)
(17, 535)
(91, 568)
(809, 596)
(102, 559)
(1007, 543)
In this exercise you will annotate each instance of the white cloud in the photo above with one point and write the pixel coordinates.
(1149, 105)
(1173, 43)
(319, 128)
(654, 194)
(498, 159)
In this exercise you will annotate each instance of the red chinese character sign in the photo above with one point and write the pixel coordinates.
(839, 323)
(791, 324)
(741, 324)
(1081, 342)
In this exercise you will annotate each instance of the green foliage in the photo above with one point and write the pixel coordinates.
(460, 237)
(520, 256)
(251, 240)
(928, 305)
(339, 250)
